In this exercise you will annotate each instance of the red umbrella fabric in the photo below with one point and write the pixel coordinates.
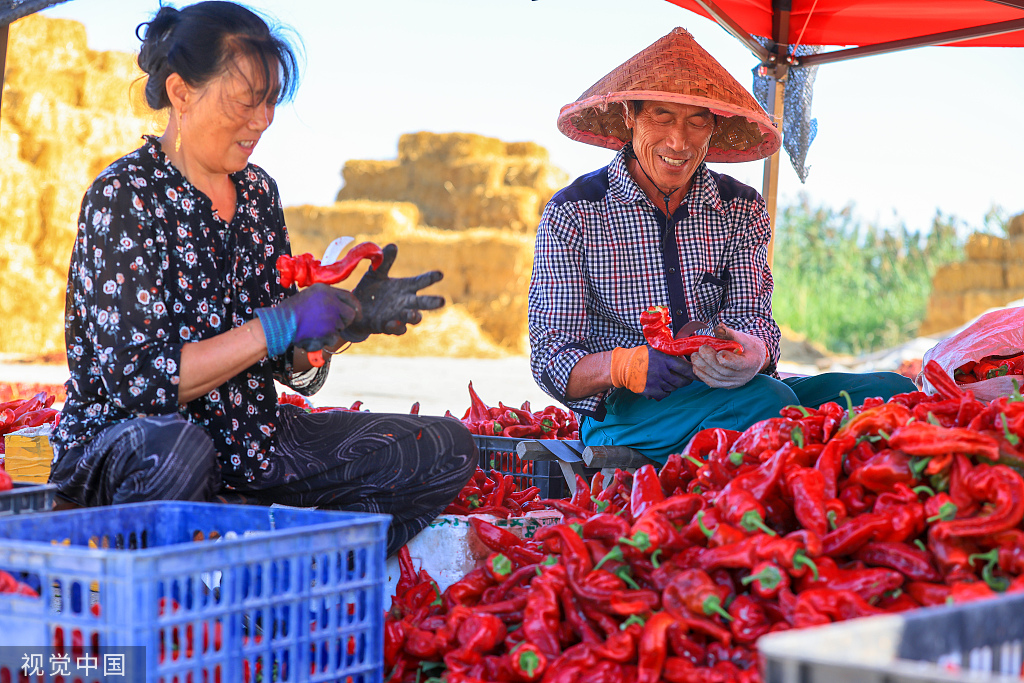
(868, 22)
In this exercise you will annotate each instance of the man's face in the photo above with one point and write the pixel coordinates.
(671, 140)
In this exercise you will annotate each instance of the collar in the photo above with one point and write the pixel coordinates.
(624, 189)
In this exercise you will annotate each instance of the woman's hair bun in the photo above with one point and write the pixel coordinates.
(155, 41)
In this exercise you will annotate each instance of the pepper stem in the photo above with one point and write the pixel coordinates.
(923, 489)
(736, 458)
(623, 573)
(528, 662)
(1012, 438)
(767, 579)
(800, 559)
(798, 436)
(947, 512)
(641, 541)
(803, 410)
(615, 555)
(713, 605)
(694, 460)
(700, 523)
(753, 521)
(654, 558)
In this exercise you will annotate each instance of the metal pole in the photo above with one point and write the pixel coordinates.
(770, 181)
(4, 31)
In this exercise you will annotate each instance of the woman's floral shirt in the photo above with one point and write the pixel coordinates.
(153, 268)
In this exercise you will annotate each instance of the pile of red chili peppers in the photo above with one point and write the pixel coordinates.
(989, 367)
(818, 515)
(25, 412)
(522, 423)
(495, 495)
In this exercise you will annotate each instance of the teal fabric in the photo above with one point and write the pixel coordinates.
(659, 428)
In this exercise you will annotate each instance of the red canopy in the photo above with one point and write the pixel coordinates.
(869, 22)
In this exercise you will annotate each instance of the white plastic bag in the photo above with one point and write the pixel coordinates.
(996, 333)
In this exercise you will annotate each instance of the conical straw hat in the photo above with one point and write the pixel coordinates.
(674, 69)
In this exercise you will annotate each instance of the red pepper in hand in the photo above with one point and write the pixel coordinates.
(304, 270)
(657, 328)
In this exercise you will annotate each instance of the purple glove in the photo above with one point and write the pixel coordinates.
(312, 319)
(665, 374)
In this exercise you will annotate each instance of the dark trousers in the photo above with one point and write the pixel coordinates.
(407, 466)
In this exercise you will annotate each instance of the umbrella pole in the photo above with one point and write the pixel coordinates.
(770, 182)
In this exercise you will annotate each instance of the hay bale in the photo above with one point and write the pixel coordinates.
(1015, 226)
(527, 149)
(312, 228)
(451, 332)
(1015, 249)
(945, 311)
(984, 275)
(981, 247)
(447, 147)
(977, 302)
(377, 180)
(486, 271)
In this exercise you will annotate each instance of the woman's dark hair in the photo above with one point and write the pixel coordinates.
(201, 41)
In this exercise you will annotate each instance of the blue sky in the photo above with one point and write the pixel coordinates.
(899, 135)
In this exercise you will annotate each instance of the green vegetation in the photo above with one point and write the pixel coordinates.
(856, 288)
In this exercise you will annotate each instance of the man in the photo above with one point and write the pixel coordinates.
(656, 227)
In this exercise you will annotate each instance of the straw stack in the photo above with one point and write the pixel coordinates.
(992, 275)
(67, 113)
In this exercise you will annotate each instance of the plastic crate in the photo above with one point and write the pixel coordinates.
(295, 593)
(26, 497)
(976, 641)
(499, 453)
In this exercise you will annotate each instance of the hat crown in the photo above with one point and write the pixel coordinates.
(674, 69)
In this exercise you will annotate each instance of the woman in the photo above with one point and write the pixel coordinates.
(177, 324)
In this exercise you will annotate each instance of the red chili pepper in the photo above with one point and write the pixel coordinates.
(855, 533)
(657, 328)
(869, 583)
(926, 439)
(1003, 489)
(886, 417)
(304, 270)
(646, 490)
(542, 616)
(944, 385)
(653, 648)
(913, 563)
(830, 463)
(817, 606)
(806, 487)
(698, 593)
(749, 620)
(528, 662)
(767, 580)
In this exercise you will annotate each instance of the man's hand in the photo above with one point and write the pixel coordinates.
(389, 304)
(726, 369)
(648, 372)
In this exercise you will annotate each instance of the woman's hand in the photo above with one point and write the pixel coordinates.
(389, 304)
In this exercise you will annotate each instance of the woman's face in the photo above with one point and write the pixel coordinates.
(224, 119)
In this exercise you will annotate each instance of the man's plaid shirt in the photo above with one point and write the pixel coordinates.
(604, 254)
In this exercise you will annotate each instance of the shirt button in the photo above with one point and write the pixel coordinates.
(679, 311)
(671, 270)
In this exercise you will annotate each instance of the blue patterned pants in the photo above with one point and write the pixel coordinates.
(407, 466)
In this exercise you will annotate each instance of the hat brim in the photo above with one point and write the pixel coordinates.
(742, 134)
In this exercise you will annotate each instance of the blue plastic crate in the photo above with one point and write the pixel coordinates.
(294, 593)
(26, 497)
